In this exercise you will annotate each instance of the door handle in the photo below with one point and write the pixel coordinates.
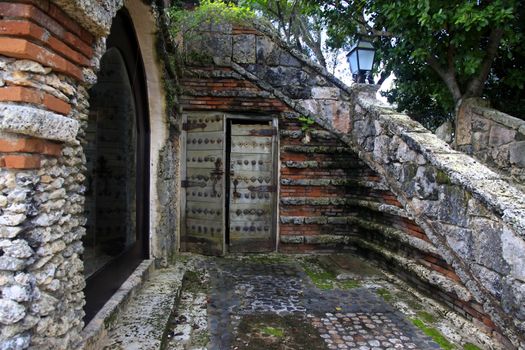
(235, 183)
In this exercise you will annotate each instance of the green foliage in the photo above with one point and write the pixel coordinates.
(324, 279)
(434, 334)
(306, 123)
(385, 294)
(426, 316)
(439, 51)
(186, 24)
(273, 331)
(349, 284)
(295, 21)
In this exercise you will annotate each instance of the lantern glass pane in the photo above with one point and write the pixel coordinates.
(366, 59)
(352, 59)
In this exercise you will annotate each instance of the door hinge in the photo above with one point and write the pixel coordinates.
(192, 126)
(188, 183)
(264, 132)
(264, 188)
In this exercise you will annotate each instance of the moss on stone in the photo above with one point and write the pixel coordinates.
(200, 339)
(324, 279)
(349, 284)
(110, 320)
(193, 282)
(426, 316)
(385, 294)
(434, 334)
(273, 331)
(470, 346)
(442, 178)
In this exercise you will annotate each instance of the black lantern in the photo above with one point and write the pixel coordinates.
(361, 60)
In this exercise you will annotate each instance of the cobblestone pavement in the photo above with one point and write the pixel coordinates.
(343, 319)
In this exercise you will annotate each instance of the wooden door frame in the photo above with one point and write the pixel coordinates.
(227, 117)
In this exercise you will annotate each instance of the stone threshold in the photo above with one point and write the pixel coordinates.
(144, 323)
(96, 331)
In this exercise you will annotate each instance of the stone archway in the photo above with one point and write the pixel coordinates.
(117, 154)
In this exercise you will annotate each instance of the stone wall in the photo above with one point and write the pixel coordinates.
(44, 63)
(473, 219)
(49, 55)
(494, 138)
(329, 198)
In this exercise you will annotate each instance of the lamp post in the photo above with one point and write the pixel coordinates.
(361, 60)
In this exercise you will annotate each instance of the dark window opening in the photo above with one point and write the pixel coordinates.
(117, 161)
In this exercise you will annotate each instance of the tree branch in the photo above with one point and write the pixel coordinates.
(448, 77)
(476, 84)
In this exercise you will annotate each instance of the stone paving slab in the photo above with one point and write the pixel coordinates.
(344, 319)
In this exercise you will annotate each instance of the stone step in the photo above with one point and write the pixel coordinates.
(143, 325)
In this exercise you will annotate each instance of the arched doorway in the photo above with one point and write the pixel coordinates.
(117, 159)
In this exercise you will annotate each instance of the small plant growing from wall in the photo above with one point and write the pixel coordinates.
(187, 25)
(306, 127)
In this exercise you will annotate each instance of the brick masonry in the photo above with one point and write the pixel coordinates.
(44, 58)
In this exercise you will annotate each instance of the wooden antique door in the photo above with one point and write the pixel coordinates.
(203, 204)
(252, 186)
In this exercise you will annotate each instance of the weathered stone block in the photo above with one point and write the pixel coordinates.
(297, 92)
(325, 239)
(490, 279)
(328, 93)
(445, 131)
(480, 140)
(488, 249)
(425, 185)
(18, 342)
(287, 60)
(480, 124)
(513, 248)
(500, 135)
(17, 293)
(517, 154)
(316, 220)
(267, 52)
(244, 49)
(310, 105)
(12, 219)
(9, 263)
(513, 298)
(381, 149)
(460, 239)
(10, 232)
(292, 239)
(403, 152)
(17, 248)
(500, 156)
(11, 311)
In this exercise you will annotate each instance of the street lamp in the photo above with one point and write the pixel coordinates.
(361, 59)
